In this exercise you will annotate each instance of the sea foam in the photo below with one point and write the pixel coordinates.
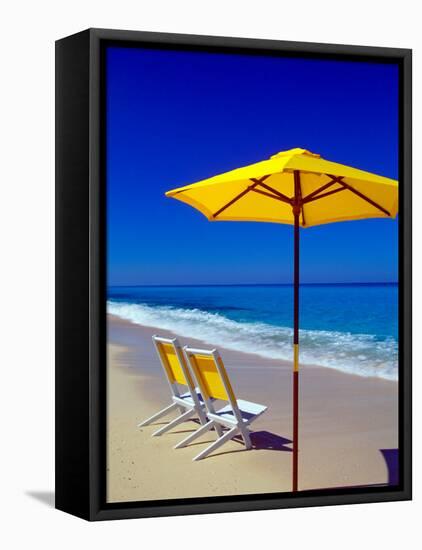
(361, 354)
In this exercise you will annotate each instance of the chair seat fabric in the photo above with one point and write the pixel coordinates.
(187, 398)
(248, 411)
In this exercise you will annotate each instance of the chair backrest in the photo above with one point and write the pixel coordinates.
(211, 375)
(174, 364)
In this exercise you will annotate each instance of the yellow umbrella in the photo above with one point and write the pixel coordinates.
(300, 188)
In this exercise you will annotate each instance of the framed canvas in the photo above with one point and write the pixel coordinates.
(264, 362)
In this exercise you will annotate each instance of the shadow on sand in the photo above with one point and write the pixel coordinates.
(260, 440)
(270, 441)
(391, 457)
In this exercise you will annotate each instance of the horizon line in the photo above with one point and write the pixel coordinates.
(252, 284)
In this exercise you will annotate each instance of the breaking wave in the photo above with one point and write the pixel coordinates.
(361, 354)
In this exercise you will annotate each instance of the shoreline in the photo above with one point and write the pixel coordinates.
(348, 423)
(270, 362)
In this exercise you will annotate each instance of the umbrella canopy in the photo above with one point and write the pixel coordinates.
(300, 188)
(243, 194)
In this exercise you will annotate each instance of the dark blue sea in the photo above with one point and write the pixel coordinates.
(349, 327)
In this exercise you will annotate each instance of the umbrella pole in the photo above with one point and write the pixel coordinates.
(296, 213)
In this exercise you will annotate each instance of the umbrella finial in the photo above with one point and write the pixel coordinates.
(296, 151)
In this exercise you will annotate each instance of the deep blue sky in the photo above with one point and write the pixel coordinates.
(174, 118)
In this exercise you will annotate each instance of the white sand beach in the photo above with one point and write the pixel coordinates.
(348, 425)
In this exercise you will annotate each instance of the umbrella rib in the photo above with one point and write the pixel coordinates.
(255, 182)
(334, 180)
(255, 190)
(315, 195)
(282, 197)
(240, 195)
(325, 194)
(365, 198)
(235, 199)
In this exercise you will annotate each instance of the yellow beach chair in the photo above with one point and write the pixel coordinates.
(178, 375)
(236, 416)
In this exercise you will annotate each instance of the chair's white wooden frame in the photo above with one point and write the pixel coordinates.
(235, 417)
(189, 403)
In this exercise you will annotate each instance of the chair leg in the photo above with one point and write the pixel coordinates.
(182, 418)
(204, 419)
(220, 441)
(191, 437)
(158, 415)
(202, 416)
(246, 437)
(219, 430)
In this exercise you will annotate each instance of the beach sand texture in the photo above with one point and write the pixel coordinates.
(348, 426)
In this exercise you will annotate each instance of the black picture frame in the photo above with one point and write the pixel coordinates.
(80, 276)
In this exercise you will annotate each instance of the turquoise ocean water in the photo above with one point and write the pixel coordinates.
(349, 327)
